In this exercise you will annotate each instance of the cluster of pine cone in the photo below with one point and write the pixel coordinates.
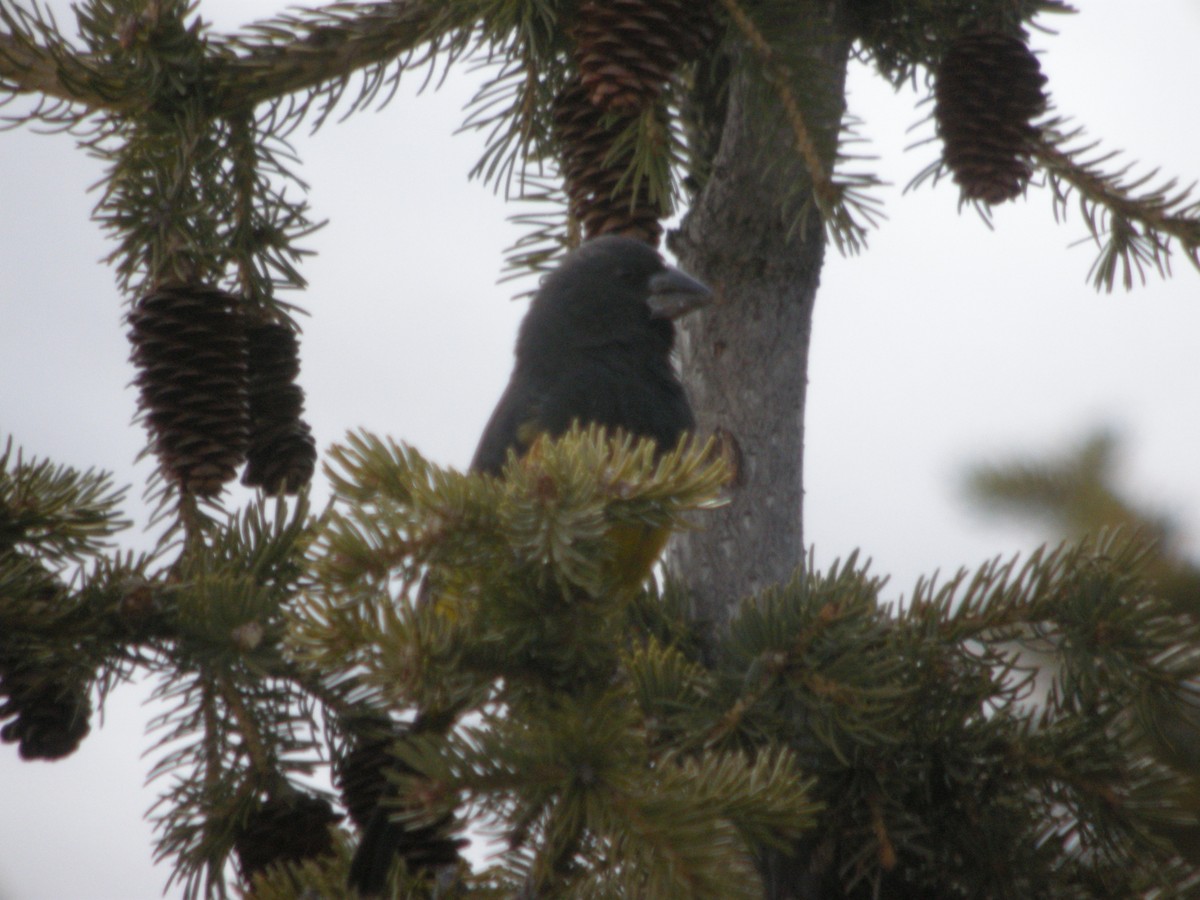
(625, 51)
(217, 391)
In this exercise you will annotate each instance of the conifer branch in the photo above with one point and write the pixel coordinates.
(549, 228)
(56, 511)
(35, 59)
(25, 70)
(303, 51)
(315, 50)
(257, 751)
(1134, 223)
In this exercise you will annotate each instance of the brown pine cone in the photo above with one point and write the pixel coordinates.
(988, 91)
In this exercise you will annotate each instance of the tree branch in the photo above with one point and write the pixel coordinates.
(27, 70)
(1133, 225)
(268, 60)
(300, 52)
(29, 67)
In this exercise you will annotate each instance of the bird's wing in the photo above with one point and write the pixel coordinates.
(591, 392)
(509, 425)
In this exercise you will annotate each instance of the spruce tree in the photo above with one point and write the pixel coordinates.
(756, 726)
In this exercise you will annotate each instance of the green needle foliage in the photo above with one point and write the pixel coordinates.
(1077, 496)
(77, 619)
(498, 599)
(179, 109)
(615, 750)
(610, 745)
(53, 512)
(58, 596)
(932, 744)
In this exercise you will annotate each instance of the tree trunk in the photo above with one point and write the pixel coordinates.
(745, 357)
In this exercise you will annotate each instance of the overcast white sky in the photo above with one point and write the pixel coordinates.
(944, 344)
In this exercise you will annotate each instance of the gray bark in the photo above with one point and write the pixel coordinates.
(745, 357)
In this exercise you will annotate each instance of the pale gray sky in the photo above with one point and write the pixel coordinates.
(945, 343)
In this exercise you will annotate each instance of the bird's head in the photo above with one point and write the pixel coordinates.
(610, 291)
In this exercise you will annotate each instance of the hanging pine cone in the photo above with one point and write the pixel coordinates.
(593, 173)
(988, 91)
(44, 695)
(285, 829)
(361, 772)
(189, 346)
(375, 804)
(628, 49)
(50, 710)
(282, 452)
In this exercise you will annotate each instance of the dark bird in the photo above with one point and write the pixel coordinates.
(594, 348)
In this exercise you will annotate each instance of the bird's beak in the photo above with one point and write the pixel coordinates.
(672, 294)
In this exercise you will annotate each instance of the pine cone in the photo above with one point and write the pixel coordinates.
(282, 830)
(45, 696)
(593, 173)
(282, 452)
(628, 49)
(372, 799)
(361, 773)
(988, 90)
(52, 711)
(189, 347)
